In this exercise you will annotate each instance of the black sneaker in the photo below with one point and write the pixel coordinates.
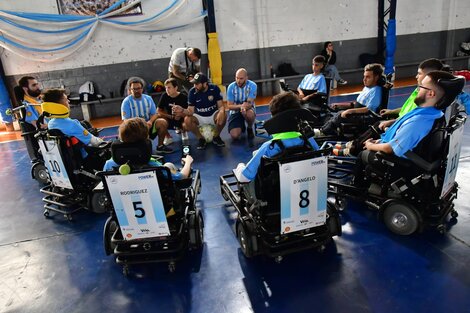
(250, 133)
(201, 145)
(218, 141)
(164, 149)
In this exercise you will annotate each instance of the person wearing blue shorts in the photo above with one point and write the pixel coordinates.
(241, 96)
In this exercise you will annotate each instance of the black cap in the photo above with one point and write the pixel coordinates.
(199, 78)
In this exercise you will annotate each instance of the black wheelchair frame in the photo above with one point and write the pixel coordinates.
(82, 196)
(356, 123)
(186, 227)
(404, 192)
(258, 202)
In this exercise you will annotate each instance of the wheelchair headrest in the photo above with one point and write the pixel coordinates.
(138, 152)
(452, 87)
(288, 121)
(382, 80)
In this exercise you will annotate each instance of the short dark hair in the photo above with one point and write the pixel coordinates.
(53, 95)
(197, 52)
(136, 81)
(172, 81)
(133, 130)
(283, 102)
(319, 59)
(436, 76)
(431, 64)
(24, 81)
(375, 68)
(325, 45)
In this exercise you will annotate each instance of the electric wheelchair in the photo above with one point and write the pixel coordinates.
(356, 123)
(72, 181)
(319, 107)
(28, 131)
(413, 193)
(152, 217)
(284, 209)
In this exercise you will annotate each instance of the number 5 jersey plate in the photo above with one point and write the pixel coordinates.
(138, 205)
(303, 194)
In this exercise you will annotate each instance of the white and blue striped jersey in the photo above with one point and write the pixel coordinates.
(314, 82)
(238, 95)
(143, 107)
(370, 97)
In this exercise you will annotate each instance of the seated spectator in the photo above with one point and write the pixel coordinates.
(136, 129)
(331, 70)
(171, 108)
(313, 86)
(138, 104)
(369, 99)
(280, 103)
(241, 96)
(205, 107)
(56, 107)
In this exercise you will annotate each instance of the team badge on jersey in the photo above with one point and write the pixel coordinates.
(210, 98)
(29, 113)
(85, 132)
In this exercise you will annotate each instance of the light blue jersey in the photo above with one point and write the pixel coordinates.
(370, 97)
(143, 107)
(314, 82)
(407, 132)
(71, 128)
(269, 150)
(238, 95)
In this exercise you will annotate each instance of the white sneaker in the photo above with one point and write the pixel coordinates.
(167, 141)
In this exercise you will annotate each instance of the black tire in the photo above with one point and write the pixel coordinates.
(340, 203)
(401, 219)
(244, 238)
(99, 202)
(333, 221)
(40, 173)
(196, 231)
(109, 228)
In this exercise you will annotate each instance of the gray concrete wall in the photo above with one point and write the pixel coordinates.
(411, 49)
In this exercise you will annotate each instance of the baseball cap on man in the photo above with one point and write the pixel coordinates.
(199, 78)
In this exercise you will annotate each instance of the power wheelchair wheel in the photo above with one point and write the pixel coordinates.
(110, 228)
(454, 214)
(333, 223)
(244, 238)
(401, 219)
(196, 231)
(99, 202)
(40, 173)
(340, 203)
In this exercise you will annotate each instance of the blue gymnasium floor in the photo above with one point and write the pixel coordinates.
(59, 266)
